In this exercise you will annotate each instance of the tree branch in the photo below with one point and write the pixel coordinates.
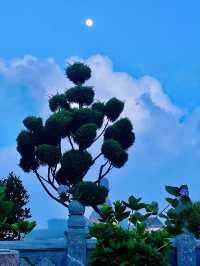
(96, 209)
(101, 175)
(101, 131)
(107, 171)
(71, 143)
(46, 189)
(53, 173)
(93, 161)
(49, 178)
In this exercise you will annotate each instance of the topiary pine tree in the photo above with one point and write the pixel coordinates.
(80, 121)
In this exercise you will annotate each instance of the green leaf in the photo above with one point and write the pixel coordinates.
(172, 190)
(152, 208)
(172, 213)
(107, 213)
(135, 204)
(136, 217)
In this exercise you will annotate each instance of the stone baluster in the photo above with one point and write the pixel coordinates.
(9, 257)
(76, 236)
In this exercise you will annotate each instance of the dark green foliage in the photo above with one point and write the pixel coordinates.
(61, 177)
(26, 147)
(132, 246)
(78, 73)
(5, 206)
(98, 106)
(117, 246)
(23, 227)
(81, 95)
(98, 118)
(33, 123)
(121, 131)
(193, 219)
(89, 194)
(183, 214)
(172, 190)
(48, 154)
(112, 150)
(85, 135)
(75, 165)
(59, 124)
(84, 116)
(113, 108)
(61, 144)
(180, 210)
(25, 143)
(28, 164)
(16, 192)
(80, 117)
(17, 196)
(58, 102)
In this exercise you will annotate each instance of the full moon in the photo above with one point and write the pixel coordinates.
(89, 22)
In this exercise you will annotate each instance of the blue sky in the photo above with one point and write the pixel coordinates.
(155, 43)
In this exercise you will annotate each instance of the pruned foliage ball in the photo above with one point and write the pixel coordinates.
(112, 150)
(28, 163)
(59, 124)
(80, 94)
(113, 108)
(85, 135)
(25, 143)
(84, 116)
(33, 123)
(98, 106)
(89, 194)
(61, 177)
(98, 118)
(58, 102)
(121, 131)
(75, 164)
(48, 154)
(78, 73)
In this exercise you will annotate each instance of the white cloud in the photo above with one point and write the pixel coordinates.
(146, 103)
(43, 77)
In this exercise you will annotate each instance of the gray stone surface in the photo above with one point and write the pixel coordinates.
(186, 250)
(52, 251)
(9, 257)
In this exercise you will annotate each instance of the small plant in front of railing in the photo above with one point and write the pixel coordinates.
(133, 244)
(181, 214)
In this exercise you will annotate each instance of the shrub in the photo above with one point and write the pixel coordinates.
(134, 245)
(13, 209)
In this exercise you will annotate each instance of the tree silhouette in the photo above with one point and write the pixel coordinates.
(62, 143)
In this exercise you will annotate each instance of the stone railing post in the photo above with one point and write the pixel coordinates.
(76, 236)
(186, 250)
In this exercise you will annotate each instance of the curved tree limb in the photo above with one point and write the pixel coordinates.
(101, 174)
(53, 173)
(104, 129)
(96, 209)
(49, 178)
(93, 161)
(46, 189)
(71, 143)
